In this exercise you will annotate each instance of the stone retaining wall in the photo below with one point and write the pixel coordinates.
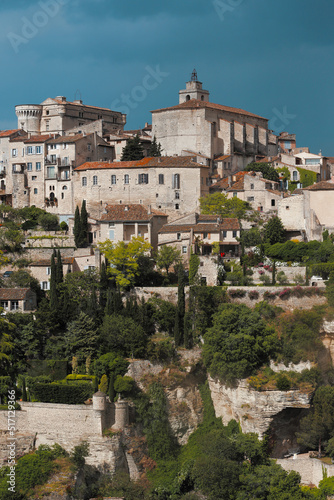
(310, 469)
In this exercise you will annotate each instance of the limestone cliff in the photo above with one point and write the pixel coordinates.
(255, 410)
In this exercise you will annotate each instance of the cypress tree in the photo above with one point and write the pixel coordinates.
(133, 150)
(155, 148)
(177, 330)
(84, 224)
(111, 391)
(59, 269)
(53, 285)
(24, 391)
(179, 319)
(104, 284)
(109, 309)
(77, 227)
(118, 303)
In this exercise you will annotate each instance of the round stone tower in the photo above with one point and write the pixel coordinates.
(29, 117)
(99, 409)
(121, 414)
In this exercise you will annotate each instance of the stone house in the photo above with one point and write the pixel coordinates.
(197, 125)
(308, 212)
(123, 222)
(119, 139)
(198, 233)
(262, 194)
(59, 116)
(18, 299)
(41, 270)
(169, 184)
(5, 156)
(41, 167)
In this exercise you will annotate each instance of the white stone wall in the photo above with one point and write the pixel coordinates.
(310, 469)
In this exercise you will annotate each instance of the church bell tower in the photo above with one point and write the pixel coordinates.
(193, 90)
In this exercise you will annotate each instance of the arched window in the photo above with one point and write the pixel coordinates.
(64, 188)
(52, 196)
(94, 180)
(295, 175)
(113, 179)
(188, 97)
(84, 181)
(126, 179)
(202, 97)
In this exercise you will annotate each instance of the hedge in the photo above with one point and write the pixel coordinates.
(63, 393)
(56, 368)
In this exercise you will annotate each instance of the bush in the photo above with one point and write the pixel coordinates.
(79, 453)
(103, 387)
(63, 393)
(253, 294)
(285, 294)
(234, 294)
(123, 384)
(63, 226)
(161, 350)
(49, 222)
(282, 278)
(269, 295)
(283, 383)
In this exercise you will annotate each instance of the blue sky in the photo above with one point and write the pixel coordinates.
(271, 58)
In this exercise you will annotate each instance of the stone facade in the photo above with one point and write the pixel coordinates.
(311, 470)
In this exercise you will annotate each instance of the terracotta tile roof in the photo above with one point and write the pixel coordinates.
(8, 133)
(222, 158)
(33, 139)
(68, 138)
(47, 262)
(321, 186)
(266, 159)
(238, 185)
(134, 212)
(13, 293)
(83, 105)
(162, 161)
(225, 225)
(196, 104)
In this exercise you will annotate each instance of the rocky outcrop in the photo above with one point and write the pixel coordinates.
(254, 410)
(327, 337)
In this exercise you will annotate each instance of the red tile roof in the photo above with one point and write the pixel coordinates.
(133, 212)
(162, 161)
(222, 158)
(67, 138)
(225, 225)
(320, 186)
(14, 293)
(196, 104)
(8, 133)
(33, 138)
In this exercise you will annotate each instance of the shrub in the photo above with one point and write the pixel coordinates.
(123, 384)
(265, 280)
(253, 294)
(162, 350)
(283, 383)
(234, 294)
(103, 387)
(79, 453)
(269, 295)
(63, 393)
(285, 294)
(63, 226)
(282, 278)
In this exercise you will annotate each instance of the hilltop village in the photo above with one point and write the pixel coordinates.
(167, 305)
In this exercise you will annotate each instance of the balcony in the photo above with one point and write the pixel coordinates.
(52, 160)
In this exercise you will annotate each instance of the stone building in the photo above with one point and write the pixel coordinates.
(123, 222)
(199, 233)
(199, 126)
(18, 299)
(171, 184)
(262, 194)
(59, 116)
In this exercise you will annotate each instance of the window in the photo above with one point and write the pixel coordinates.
(205, 235)
(224, 234)
(252, 186)
(14, 305)
(38, 165)
(184, 249)
(64, 188)
(45, 285)
(295, 175)
(176, 181)
(234, 234)
(94, 180)
(235, 195)
(62, 196)
(4, 304)
(250, 198)
(51, 172)
(143, 179)
(34, 178)
(53, 158)
(272, 203)
(84, 181)
(30, 150)
(80, 114)
(48, 271)
(287, 208)
(47, 112)
(177, 206)
(111, 234)
(89, 146)
(126, 179)
(178, 236)
(14, 153)
(35, 191)
(113, 179)
(214, 129)
(47, 125)
(111, 224)
(177, 195)
(38, 150)
(29, 167)
(161, 179)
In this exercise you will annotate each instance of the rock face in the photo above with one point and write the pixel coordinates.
(328, 337)
(254, 410)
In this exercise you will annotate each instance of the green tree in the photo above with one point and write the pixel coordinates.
(266, 169)
(219, 204)
(110, 363)
(59, 269)
(81, 338)
(317, 427)
(155, 148)
(133, 150)
(123, 336)
(123, 259)
(77, 230)
(49, 222)
(181, 305)
(53, 284)
(123, 384)
(194, 263)
(103, 387)
(167, 256)
(274, 231)
(238, 343)
(84, 224)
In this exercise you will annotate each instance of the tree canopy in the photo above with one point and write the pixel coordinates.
(219, 204)
(166, 256)
(133, 150)
(274, 231)
(266, 169)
